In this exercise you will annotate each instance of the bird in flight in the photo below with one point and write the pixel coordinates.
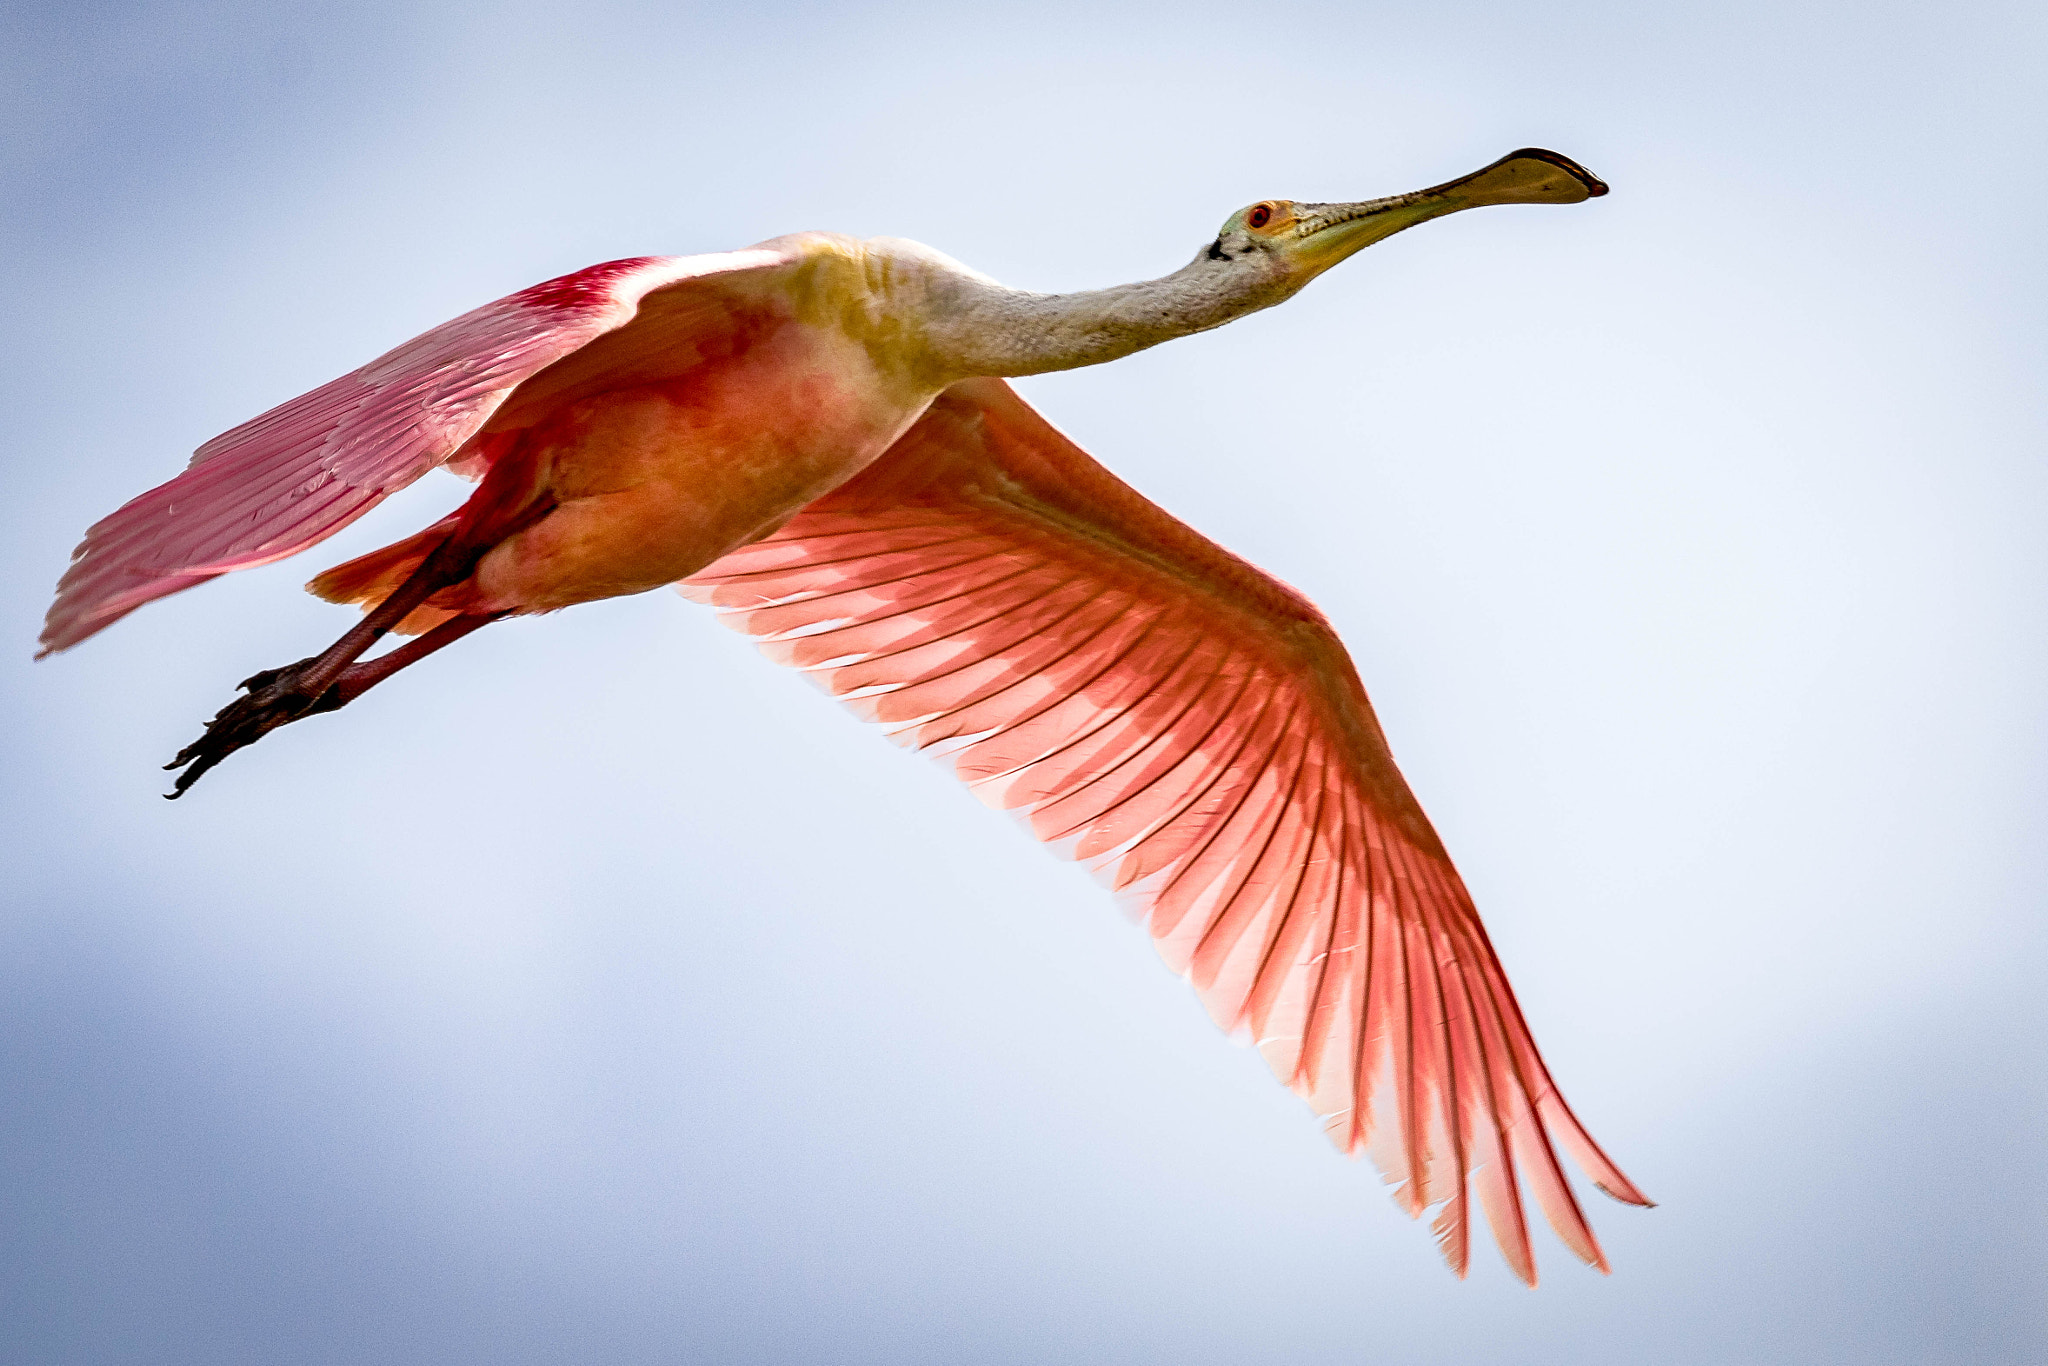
(814, 436)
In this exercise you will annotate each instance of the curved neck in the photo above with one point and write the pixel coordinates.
(974, 326)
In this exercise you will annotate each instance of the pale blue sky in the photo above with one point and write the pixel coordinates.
(599, 993)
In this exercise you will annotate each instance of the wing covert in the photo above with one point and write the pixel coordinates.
(1192, 730)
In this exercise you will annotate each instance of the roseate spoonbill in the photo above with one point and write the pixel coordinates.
(813, 434)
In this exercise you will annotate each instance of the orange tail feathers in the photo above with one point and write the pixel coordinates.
(369, 579)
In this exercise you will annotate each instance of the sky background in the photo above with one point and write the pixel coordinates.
(599, 993)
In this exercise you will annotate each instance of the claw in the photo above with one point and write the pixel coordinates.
(275, 698)
(322, 682)
(265, 678)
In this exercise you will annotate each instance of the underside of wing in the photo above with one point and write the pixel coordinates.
(1191, 730)
(307, 468)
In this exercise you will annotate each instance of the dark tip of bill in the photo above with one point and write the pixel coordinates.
(1595, 187)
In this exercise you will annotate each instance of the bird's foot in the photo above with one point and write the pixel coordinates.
(275, 697)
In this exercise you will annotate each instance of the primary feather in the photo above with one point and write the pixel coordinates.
(1192, 730)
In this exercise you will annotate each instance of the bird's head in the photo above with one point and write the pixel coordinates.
(1285, 244)
(1266, 251)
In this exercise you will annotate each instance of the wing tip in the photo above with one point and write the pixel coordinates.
(74, 624)
(77, 616)
(1627, 1196)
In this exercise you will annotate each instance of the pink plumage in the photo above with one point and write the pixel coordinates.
(297, 474)
(1192, 730)
(807, 436)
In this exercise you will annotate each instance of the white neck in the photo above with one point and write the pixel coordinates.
(975, 326)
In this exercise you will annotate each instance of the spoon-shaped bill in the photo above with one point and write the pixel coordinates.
(1321, 235)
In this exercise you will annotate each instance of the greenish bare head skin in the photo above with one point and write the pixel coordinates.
(1300, 241)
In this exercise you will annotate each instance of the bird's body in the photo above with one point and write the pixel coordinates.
(776, 391)
(812, 434)
(724, 407)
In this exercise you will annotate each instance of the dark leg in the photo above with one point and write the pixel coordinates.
(350, 683)
(278, 697)
(512, 497)
(360, 677)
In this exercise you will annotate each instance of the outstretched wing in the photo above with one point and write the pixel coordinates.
(307, 468)
(1192, 730)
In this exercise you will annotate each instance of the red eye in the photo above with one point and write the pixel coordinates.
(1260, 215)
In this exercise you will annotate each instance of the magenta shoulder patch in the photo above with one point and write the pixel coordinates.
(582, 288)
